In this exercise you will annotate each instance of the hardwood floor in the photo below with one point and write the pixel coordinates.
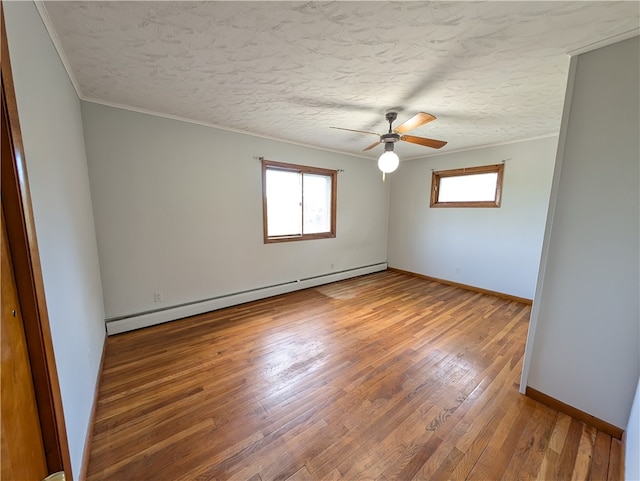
(382, 377)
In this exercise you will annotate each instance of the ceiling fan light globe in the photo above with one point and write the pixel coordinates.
(388, 162)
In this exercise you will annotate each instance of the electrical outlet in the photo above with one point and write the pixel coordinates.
(157, 296)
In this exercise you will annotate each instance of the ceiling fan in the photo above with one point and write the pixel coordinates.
(389, 161)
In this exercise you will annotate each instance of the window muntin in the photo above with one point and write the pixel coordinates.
(299, 202)
(469, 187)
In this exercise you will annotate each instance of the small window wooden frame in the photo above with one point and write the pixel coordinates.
(484, 169)
(302, 169)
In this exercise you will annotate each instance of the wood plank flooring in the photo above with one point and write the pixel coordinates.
(383, 377)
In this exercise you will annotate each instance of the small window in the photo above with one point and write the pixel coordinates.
(470, 187)
(298, 202)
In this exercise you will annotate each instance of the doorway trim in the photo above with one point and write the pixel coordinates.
(16, 203)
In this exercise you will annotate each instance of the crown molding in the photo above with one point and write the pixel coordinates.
(215, 126)
(57, 43)
(483, 146)
(634, 32)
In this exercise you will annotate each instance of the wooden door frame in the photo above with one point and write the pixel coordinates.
(16, 203)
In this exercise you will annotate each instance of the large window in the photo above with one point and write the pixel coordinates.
(298, 202)
(470, 187)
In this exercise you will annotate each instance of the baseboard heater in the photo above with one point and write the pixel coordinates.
(139, 320)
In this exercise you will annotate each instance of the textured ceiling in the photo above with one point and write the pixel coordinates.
(490, 72)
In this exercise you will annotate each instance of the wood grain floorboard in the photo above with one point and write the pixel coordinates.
(382, 377)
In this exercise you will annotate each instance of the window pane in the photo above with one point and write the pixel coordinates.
(284, 203)
(317, 203)
(468, 188)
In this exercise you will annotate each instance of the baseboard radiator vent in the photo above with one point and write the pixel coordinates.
(150, 318)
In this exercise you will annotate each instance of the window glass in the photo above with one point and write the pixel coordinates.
(317, 203)
(284, 202)
(468, 188)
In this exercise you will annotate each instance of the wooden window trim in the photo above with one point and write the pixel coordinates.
(484, 169)
(303, 169)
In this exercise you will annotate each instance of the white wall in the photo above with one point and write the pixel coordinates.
(51, 124)
(178, 209)
(632, 448)
(494, 248)
(584, 336)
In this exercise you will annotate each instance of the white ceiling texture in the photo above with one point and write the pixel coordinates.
(491, 72)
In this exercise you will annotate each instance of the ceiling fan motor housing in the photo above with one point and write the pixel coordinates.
(389, 140)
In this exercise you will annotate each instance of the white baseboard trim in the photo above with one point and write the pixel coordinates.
(151, 318)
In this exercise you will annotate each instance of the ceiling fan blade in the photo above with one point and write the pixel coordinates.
(359, 131)
(414, 122)
(433, 143)
(371, 146)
